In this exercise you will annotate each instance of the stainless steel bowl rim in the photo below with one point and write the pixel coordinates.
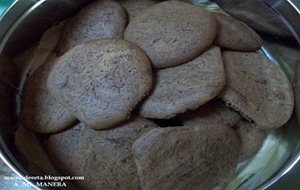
(15, 14)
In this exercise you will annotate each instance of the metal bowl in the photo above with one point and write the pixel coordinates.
(25, 21)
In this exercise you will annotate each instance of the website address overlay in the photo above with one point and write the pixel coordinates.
(46, 177)
(45, 181)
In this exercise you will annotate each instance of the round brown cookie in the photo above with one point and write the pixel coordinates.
(101, 19)
(172, 32)
(62, 149)
(104, 158)
(40, 111)
(134, 7)
(186, 157)
(236, 35)
(101, 82)
(211, 114)
(185, 87)
(258, 89)
(251, 139)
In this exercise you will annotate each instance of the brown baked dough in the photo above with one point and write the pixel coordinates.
(211, 114)
(172, 32)
(62, 149)
(236, 35)
(251, 139)
(186, 157)
(101, 19)
(104, 158)
(40, 111)
(102, 81)
(134, 7)
(185, 87)
(258, 89)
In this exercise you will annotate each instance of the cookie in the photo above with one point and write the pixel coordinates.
(30, 146)
(104, 158)
(134, 7)
(258, 89)
(40, 111)
(186, 157)
(236, 35)
(172, 32)
(101, 82)
(101, 19)
(211, 114)
(62, 149)
(185, 87)
(251, 139)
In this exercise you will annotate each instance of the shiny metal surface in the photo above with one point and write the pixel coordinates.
(286, 11)
(21, 26)
(26, 20)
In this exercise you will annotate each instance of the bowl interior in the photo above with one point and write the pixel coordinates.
(281, 146)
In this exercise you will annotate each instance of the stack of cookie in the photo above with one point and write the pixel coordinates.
(122, 72)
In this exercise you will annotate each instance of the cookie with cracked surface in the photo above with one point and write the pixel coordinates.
(40, 111)
(186, 157)
(104, 158)
(211, 114)
(134, 7)
(101, 19)
(102, 81)
(185, 87)
(258, 89)
(251, 139)
(236, 35)
(172, 33)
